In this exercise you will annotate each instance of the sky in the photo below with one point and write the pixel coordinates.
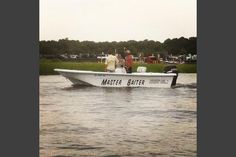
(117, 20)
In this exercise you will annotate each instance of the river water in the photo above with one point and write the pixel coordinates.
(117, 122)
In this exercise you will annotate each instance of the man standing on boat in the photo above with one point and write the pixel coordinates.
(111, 62)
(128, 61)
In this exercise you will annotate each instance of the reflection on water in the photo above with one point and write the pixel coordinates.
(114, 122)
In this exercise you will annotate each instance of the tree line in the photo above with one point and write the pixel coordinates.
(175, 46)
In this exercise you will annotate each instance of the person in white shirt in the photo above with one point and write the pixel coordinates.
(111, 62)
(120, 66)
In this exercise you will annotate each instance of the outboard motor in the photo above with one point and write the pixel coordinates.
(172, 69)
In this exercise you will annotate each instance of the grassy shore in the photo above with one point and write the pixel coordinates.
(47, 66)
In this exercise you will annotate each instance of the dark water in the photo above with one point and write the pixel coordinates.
(112, 122)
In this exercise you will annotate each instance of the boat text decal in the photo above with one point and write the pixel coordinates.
(135, 82)
(158, 81)
(111, 82)
(118, 82)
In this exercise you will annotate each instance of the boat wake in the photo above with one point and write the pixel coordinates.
(178, 85)
(75, 87)
(190, 85)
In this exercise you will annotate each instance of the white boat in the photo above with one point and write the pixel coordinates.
(108, 79)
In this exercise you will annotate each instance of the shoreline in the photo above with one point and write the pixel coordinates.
(46, 66)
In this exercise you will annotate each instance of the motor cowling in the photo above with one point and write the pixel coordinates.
(141, 69)
(171, 69)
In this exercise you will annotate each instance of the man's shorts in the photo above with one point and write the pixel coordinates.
(129, 70)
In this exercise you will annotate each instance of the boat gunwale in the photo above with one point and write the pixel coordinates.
(119, 74)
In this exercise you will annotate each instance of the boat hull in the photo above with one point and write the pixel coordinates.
(106, 79)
